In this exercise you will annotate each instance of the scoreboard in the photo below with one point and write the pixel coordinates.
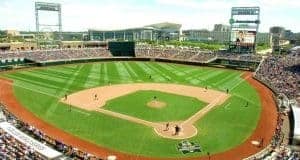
(244, 24)
(126, 49)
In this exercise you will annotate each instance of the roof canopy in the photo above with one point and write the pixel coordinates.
(157, 26)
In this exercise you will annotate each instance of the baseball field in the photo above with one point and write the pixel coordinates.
(75, 98)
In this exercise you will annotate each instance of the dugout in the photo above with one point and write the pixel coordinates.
(236, 64)
(124, 49)
(14, 63)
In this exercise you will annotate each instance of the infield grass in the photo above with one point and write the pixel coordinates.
(178, 107)
(225, 127)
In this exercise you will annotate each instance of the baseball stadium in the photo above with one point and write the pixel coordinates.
(155, 92)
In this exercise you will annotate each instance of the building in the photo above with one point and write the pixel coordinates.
(18, 46)
(297, 38)
(277, 34)
(159, 31)
(218, 36)
(12, 33)
(206, 35)
(263, 37)
(221, 28)
(288, 35)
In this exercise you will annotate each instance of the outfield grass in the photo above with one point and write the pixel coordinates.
(178, 107)
(221, 129)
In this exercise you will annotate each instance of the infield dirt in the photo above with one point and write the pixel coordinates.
(96, 98)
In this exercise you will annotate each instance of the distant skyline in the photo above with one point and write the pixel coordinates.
(78, 15)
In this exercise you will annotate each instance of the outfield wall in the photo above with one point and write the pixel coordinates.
(218, 63)
(243, 65)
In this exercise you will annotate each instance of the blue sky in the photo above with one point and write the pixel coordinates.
(80, 15)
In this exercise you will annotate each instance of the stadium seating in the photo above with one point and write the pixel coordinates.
(282, 74)
(179, 53)
(57, 54)
(10, 148)
(240, 57)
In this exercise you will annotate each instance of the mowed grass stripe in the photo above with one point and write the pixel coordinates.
(62, 71)
(155, 76)
(182, 69)
(69, 83)
(50, 73)
(111, 72)
(123, 72)
(213, 80)
(251, 95)
(229, 76)
(34, 83)
(101, 74)
(213, 74)
(46, 76)
(54, 73)
(36, 89)
(172, 69)
(220, 76)
(37, 79)
(93, 76)
(168, 73)
(230, 83)
(157, 72)
(81, 77)
(131, 71)
(198, 74)
(197, 79)
(105, 74)
(141, 73)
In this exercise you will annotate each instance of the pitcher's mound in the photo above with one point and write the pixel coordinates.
(156, 104)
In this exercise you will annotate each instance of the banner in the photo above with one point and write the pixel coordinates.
(44, 150)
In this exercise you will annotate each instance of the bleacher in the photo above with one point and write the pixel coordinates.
(19, 140)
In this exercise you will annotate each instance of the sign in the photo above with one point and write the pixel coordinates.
(188, 147)
(245, 11)
(44, 150)
(47, 6)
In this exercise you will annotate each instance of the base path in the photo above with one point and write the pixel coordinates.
(265, 127)
(91, 99)
(96, 98)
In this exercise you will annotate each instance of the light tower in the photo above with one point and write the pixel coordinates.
(276, 33)
(244, 24)
(50, 7)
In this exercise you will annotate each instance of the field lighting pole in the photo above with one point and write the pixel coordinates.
(49, 7)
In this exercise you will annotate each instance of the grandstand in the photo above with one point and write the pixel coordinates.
(286, 66)
(44, 79)
(160, 31)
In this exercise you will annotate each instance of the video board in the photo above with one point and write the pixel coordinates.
(243, 38)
